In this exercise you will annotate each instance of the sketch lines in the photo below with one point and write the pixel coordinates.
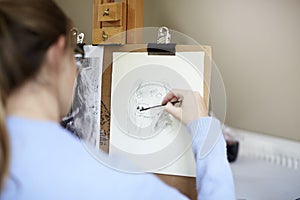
(145, 124)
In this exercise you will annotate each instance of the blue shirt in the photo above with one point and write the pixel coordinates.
(47, 162)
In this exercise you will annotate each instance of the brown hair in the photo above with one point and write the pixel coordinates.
(27, 29)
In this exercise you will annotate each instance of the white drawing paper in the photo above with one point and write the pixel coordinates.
(152, 139)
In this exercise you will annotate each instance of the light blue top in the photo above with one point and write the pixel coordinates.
(47, 162)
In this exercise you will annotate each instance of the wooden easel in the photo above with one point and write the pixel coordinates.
(112, 19)
(186, 185)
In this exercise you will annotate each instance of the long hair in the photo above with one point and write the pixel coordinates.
(27, 30)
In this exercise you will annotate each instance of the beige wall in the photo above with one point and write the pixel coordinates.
(256, 45)
(81, 12)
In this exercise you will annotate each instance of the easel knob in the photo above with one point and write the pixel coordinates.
(106, 12)
(104, 36)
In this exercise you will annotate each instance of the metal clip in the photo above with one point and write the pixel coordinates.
(163, 35)
(80, 38)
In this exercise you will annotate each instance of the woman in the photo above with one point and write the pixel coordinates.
(41, 160)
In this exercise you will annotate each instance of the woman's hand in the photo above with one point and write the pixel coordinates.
(192, 105)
